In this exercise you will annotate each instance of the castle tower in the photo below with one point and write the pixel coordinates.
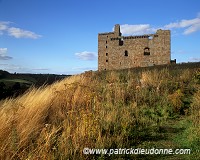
(117, 30)
(116, 51)
(162, 47)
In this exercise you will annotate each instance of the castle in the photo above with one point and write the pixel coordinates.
(119, 52)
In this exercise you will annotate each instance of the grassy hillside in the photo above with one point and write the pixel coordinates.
(12, 85)
(156, 107)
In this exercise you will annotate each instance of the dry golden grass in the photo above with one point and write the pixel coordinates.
(195, 108)
(60, 120)
(23, 119)
(87, 110)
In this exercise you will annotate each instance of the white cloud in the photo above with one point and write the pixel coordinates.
(86, 55)
(40, 69)
(16, 32)
(84, 68)
(191, 25)
(3, 52)
(194, 59)
(14, 68)
(20, 33)
(127, 29)
(183, 23)
(3, 25)
(21, 69)
(192, 29)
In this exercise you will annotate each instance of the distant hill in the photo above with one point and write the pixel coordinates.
(8, 82)
(3, 73)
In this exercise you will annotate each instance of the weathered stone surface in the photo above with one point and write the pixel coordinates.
(119, 52)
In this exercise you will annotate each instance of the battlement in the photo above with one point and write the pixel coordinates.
(116, 51)
(133, 37)
(106, 33)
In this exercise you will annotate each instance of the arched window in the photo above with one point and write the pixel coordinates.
(146, 51)
(126, 53)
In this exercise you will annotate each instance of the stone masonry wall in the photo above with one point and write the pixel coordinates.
(119, 52)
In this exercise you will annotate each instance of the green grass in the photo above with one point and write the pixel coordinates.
(15, 80)
(11, 82)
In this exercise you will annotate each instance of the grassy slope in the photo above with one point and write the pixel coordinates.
(12, 85)
(151, 107)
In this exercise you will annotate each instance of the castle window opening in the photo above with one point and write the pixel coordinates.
(106, 47)
(146, 51)
(150, 37)
(126, 53)
(106, 42)
(121, 42)
(106, 54)
(106, 60)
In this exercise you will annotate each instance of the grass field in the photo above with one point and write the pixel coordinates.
(10, 82)
(157, 107)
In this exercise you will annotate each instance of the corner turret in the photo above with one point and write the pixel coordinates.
(117, 30)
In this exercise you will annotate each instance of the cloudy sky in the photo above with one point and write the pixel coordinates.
(60, 36)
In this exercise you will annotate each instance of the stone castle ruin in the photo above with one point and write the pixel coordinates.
(119, 52)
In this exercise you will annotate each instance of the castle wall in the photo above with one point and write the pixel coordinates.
(120, 52)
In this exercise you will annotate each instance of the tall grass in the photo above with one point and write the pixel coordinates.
(112, 109)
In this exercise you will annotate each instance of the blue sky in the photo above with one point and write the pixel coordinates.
(60, 36)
